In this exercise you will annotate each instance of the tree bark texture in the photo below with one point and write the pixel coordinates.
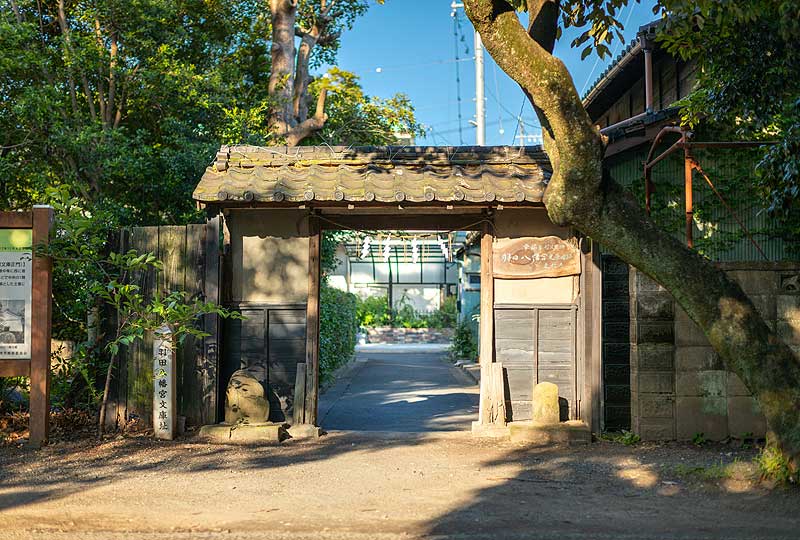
(581, 195)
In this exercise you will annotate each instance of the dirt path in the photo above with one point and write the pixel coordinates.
(381, 486)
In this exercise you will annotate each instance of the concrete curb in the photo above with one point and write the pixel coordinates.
(472, 369)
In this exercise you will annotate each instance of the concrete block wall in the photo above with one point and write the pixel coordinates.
(652, 353)
(680, 386)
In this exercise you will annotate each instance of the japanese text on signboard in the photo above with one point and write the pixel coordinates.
(16, 267)
(547, 256)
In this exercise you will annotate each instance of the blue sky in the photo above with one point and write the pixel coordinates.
(413, 44)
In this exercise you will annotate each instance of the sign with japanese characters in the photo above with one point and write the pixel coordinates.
(164, 397)
(16, 267)
(536, 257)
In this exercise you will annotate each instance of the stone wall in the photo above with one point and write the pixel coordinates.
(388, 335)
(679, 385)
(652, 353)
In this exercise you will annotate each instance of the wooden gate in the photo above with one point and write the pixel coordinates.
(190, 254)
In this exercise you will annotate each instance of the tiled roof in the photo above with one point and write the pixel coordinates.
(248, 174)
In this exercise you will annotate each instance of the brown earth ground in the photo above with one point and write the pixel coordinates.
(387, 486)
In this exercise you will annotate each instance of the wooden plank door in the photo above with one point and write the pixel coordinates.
(537, 343)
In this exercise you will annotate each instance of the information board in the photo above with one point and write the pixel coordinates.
(16, 268)
(535, 257)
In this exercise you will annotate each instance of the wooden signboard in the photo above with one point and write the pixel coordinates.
(536, 257)
(25, 309)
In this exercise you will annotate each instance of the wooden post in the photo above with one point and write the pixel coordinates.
(211, 322)
(298, 409)
(312, 321)
(486, 328)
(41, 325)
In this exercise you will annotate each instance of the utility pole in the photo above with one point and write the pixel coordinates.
(480, 100)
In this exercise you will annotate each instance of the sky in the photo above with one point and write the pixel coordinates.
(408, 46)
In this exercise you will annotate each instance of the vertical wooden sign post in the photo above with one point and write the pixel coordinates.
(164, 395)
(25, 309)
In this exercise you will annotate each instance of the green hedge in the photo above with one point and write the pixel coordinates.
(338, 326)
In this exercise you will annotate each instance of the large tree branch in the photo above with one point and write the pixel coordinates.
(310, 126)
(579, 194)
(301, 78)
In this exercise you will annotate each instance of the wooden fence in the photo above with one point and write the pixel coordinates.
(190, 255)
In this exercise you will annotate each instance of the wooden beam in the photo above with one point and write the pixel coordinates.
(41, 329)
(15, 368)
(486, 327)
(16, 220)
(428, 222)
(312, 321)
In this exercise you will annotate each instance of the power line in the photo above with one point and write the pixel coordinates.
(613, 54)
(456, 35)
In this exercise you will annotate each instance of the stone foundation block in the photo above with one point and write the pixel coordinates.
(244, 433)
(656, 406)
(573, 433)
(697, 358)
(652, 356)
(701, 383)
(654, 306)
(647, 331)
(654, 382)
(744, 416)
(642, 283)
(706, 415)
(735, 386)
(687, 333)
(756, 282)
(655, 429)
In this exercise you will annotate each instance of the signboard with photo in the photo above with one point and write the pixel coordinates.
(16, 267)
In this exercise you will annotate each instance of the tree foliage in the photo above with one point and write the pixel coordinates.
(110, 110)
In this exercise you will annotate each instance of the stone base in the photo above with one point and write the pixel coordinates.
(244, 433)
(304, 431)
(570, 433)
(489, 430)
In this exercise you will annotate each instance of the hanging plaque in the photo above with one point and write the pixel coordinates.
(535, 257)
(16, 267)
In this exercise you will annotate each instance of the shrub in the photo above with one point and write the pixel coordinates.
(464, 343)
(373, 311)
(338, 326)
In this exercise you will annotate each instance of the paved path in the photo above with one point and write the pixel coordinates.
(400, 388)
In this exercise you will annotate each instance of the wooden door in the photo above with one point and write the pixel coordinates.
(538, 344)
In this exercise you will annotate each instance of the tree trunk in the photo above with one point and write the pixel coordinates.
(288, 81)
(281, 79)
(580, 195)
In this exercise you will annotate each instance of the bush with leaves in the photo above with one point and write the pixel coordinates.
(107, 279)
(373, 311)
(464, 345)
(338, 326)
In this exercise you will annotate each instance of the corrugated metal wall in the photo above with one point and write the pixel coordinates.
(717, 234)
